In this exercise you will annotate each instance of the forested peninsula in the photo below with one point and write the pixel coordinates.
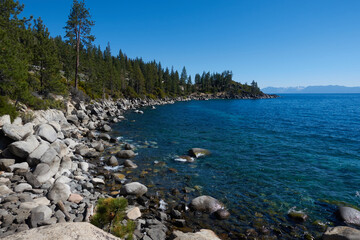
(34, 66)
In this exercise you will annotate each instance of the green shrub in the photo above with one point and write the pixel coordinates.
(27, 117)
(109, 214)
(7, 108)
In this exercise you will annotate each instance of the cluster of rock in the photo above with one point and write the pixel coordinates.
(48, 173)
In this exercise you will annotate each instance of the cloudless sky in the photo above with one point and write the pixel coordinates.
(276, 43)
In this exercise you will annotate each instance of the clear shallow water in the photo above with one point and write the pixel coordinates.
(267, 155)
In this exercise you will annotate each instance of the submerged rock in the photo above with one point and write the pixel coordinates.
(206, 204)
(125, 154)
(341, 233)
(199, 152)
(130, 164)
(184, 158)
(299, 216)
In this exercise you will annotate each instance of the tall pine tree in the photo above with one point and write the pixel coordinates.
(78, 28)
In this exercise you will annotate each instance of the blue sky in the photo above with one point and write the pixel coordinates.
(276, 43)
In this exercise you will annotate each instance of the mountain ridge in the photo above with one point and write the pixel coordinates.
(312, 89)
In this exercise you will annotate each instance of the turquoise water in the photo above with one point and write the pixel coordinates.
(268, 155)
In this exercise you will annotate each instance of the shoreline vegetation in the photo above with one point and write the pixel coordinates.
(35, 66)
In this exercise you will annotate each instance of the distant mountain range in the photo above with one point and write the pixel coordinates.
(312, 89)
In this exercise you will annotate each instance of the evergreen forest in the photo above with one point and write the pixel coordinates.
(34, 66)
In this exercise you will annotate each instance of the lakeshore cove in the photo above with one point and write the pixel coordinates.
(270, 168)
(268, 157)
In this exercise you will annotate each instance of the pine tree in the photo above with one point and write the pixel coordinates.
(78, 28)
(45, 59)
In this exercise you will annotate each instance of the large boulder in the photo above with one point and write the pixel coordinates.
(44, 171)
(34, 157)
(17, 132)
(341, 233)
(22, 149)
(125, 154)
(64, 231)
(50, 115)
(349, 215)
(59, 192)
(206, 204)
(46, 132)
(135, 188)
(204, 234)
(198, 152)
(5, 119)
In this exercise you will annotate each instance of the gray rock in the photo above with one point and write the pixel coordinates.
(112, 161)
(23, 166)
(5, 119)
(206, 204)
(106, 128)
(64, 231)
(349, 215)
(82, 115)
(203, 234)
(66, 163)
(129, 146)
(55, 125)
(104, 136)
(73, 119)
(84, 166)
(4, 190)
(39, 215)
(45, 171)
(135, 188)
(341, 233)
(156, 233)
(5, 163)
(125, 154)
(198, 152)
(222, 214)
(130, 164)
(22, 187)
(17, 132)
(34, 157)
(31, 179)
(98, 146)
(59, 192)
(46, 132)
(22, 149)
(49, 155)
(91, 126)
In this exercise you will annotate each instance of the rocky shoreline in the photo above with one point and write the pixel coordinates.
(49, 176)
(48, 172)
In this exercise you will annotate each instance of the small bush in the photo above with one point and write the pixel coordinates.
(27, 117)
(7, 108)
(109, 214)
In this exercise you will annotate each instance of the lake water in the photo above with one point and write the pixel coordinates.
(268, 156)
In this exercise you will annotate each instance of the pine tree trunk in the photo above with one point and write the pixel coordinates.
(77, 58)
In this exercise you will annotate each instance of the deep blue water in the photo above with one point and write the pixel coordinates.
(267, 155)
